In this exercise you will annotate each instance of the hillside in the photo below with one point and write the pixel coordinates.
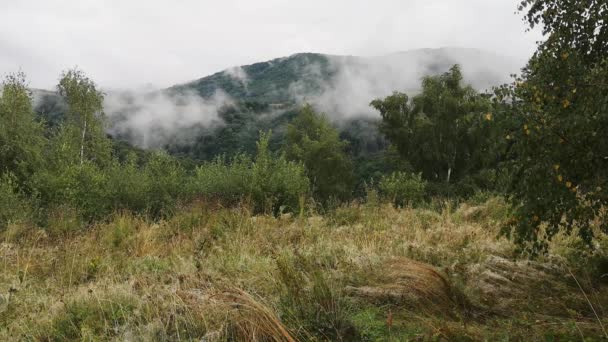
(192, 120)
(306, 76)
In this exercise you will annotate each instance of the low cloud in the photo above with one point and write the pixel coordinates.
(356, 81)
(238, 74)
(151, 119)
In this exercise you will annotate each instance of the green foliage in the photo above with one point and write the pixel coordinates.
(128, 185)
(313, 141)
(224, 179)
(78, 186)
(21, 139)
(154, 188)
(83, 131)
(442, 132)
(14, 206)
(166, 182)
(558, 114)
(272, 183)
(267, 82)
(403, 188)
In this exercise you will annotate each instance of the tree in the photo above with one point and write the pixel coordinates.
(312, 140)
(21, 136)
(83, 133)
(558, 113)
(441, 131)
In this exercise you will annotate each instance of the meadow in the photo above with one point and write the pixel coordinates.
(365, 271)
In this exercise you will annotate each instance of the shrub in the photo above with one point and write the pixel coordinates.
(128, 186)
(278, 184)
(83, 187)
(14, 206)
(227, 180)
(272, 183)
(403, 188)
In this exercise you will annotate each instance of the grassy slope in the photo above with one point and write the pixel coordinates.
(221, 273)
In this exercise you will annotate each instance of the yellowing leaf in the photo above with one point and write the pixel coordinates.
(566, 103)
(560, 178)
(489, 116)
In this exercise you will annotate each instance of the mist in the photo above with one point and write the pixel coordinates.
(357, 81)
(150, 119)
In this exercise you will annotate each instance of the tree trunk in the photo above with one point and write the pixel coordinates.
(449, 174)
(84, 132)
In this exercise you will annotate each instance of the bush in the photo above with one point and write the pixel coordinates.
(227, 180)
(128, 186)
(403, 188)
(154, 189)
(272, 183)
(167, 181)
(278, 184)
(83, 187)
(14, 206)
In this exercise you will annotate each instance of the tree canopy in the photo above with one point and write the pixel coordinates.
(558, 114)
(443, 132)
(312, 140)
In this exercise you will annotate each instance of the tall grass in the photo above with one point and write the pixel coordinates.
(209, 272)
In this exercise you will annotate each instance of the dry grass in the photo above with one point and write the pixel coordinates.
(217, 274)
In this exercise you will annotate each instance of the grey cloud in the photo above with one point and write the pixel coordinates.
(130, 43)
(357, 80)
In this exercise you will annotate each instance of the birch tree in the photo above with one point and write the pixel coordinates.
(84, 126)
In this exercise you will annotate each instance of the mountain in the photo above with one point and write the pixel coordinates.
(326, 79)
(223, 113)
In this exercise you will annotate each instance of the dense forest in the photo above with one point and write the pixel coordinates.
(275, 222)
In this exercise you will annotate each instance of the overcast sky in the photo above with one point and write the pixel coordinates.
(123, 44)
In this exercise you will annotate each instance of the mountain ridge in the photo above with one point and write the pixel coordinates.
(279, 79)
(223, 112)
